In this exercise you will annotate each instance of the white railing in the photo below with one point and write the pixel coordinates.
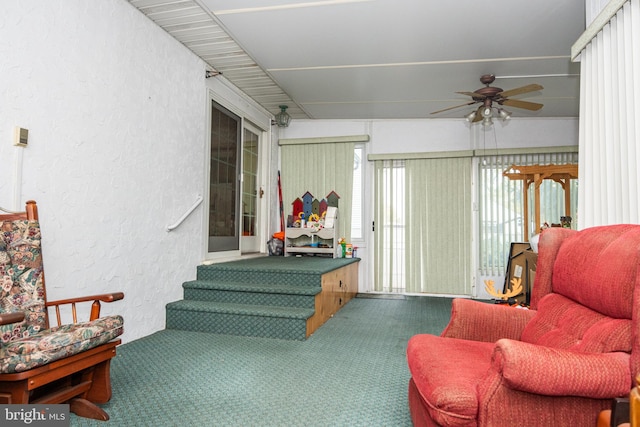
(186, 214)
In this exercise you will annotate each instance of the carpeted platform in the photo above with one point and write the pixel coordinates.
(269, 297)
(283, 264)
(351, 372)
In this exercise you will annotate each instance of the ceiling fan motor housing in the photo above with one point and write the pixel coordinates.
(487, 92)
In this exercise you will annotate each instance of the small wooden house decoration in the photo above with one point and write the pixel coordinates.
(307, 200)
(323, 207)
(332, 199)
(309, 205)
(315, 207)
(297, 207)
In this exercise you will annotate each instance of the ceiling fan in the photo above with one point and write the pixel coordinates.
(489, 95)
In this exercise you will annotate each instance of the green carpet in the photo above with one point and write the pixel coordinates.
(351, 372)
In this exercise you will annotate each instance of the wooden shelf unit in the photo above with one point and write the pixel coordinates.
(297, 241)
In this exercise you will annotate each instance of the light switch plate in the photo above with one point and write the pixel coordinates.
(20, 136)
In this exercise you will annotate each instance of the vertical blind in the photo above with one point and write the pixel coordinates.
(609, 119)
(422, 220)
(319, 169)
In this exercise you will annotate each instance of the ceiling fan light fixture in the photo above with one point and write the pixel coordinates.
(486, 112)
(472, 115)
(487, 122)
(283, 118)
(504, 114)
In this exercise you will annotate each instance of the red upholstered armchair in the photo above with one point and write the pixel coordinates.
(558, 364)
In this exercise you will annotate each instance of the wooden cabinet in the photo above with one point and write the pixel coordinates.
(338, 287)
(309, 241)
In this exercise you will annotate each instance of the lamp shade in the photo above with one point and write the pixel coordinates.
(283, 118)
(504, 114)
(470, 116)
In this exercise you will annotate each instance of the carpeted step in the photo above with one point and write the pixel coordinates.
(295, 271)
(239, 319)
(219, 273)
(251, 293)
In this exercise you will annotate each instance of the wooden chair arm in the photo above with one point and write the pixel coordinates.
(8, 318)
(95, 307)
(116, 296)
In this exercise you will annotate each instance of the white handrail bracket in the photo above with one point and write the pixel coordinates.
(186, 214)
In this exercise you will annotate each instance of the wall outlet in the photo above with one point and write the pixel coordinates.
(20, 136)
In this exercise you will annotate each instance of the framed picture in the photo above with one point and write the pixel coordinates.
(517, 269)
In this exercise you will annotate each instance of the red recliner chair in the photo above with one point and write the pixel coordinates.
(558, 364)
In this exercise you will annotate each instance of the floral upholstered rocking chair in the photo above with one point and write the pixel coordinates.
(40, 364)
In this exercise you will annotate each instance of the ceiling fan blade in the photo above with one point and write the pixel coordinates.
(456, 106)
(533, 106)
(473, 94)
(520, 90)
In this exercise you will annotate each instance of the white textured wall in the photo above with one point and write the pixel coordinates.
(116, 115)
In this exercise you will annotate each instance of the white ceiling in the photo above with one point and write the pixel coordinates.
(382, 59)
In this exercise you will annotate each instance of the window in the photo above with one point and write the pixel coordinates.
(357, 231)
(389, 226)
(501, 205)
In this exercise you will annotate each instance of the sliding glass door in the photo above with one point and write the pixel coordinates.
(235, 179)
(251, 191)
(422, 234)
(224, 194)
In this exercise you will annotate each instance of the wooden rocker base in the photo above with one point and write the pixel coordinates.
(84, 408)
